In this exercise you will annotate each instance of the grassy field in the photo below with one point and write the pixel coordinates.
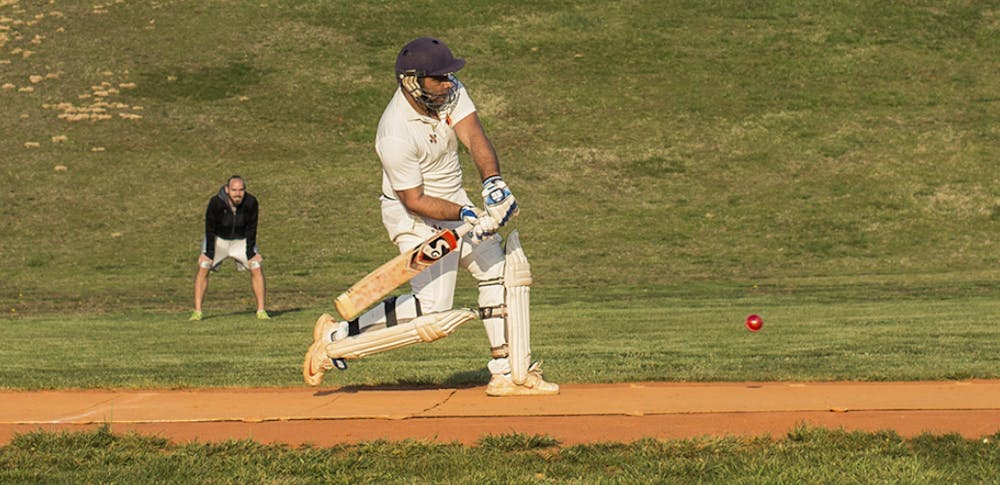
(659, 337)
(812, 456)
(650, 143)
(832, 166)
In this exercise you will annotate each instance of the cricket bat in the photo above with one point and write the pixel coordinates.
(375, 285)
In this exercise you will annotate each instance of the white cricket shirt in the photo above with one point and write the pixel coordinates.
(418, 150)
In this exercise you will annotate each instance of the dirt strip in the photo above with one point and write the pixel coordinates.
(582, 413)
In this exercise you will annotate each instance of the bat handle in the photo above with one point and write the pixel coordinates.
(463, 229)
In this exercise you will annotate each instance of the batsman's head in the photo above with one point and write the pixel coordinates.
(425, 69)
(236, 189)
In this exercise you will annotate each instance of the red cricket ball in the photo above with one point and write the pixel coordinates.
(754, 323)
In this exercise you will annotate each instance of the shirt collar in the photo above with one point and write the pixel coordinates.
(409, 113)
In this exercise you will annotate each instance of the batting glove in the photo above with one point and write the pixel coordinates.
(483, 225)
(499, 201)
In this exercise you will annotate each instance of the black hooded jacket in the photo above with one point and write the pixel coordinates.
(227, 222)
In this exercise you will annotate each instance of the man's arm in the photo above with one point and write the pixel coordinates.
(211, 214)
(497, 198)
(471, 133)
(251, 227)
(424, 205)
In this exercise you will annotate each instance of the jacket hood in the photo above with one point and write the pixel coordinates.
(225, 198)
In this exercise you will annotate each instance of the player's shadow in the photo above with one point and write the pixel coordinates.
(278, 313)
(250, 313)
(458, 380)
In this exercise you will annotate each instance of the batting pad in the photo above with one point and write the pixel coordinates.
(517, 281)
(426, 328)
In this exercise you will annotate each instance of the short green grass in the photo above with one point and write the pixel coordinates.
(650, 143)
(803, 456)
(811, 332)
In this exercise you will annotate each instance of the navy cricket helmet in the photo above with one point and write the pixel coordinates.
(428, 57)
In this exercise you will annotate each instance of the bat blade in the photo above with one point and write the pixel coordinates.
(397, 271)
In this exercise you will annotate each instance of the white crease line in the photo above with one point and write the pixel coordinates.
(103, 406)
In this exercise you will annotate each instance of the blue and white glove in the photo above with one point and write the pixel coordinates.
(483, 225)
(498, 200)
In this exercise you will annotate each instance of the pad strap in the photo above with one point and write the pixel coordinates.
(390, 312)
(499, 311)
(491, 282)
(499, 352)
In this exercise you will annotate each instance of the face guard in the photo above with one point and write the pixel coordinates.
(428, 57)
(438, 103)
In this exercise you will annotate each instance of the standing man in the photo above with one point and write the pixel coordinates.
(230, 232)
(417, 142)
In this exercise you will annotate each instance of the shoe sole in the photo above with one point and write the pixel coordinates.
(307, 369)
(311, 377)
(521, 391)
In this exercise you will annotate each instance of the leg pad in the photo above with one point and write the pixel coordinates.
(426, 328)
(517, 281)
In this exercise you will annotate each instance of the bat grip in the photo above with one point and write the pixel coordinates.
(463, 229)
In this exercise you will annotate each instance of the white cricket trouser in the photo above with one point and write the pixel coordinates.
(435, 286)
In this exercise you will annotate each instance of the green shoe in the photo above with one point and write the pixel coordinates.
(262, 315)
(195, 316)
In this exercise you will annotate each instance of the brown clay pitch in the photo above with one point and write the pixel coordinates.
(582, 413)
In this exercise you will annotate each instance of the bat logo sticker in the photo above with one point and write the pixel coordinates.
(431, 251)
(436, 249)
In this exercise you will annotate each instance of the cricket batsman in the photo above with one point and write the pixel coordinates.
(417, 143)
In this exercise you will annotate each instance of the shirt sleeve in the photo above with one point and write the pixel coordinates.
(400, 163)
(211, 221)
(463, 107)
(251, 227)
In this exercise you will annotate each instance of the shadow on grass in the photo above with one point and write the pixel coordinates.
(252, 314)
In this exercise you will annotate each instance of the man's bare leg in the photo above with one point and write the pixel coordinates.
(257, 283)
(200, 285)
(259, 287)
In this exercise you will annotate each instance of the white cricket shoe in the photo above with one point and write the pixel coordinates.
(502, 385)
(317, 362)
